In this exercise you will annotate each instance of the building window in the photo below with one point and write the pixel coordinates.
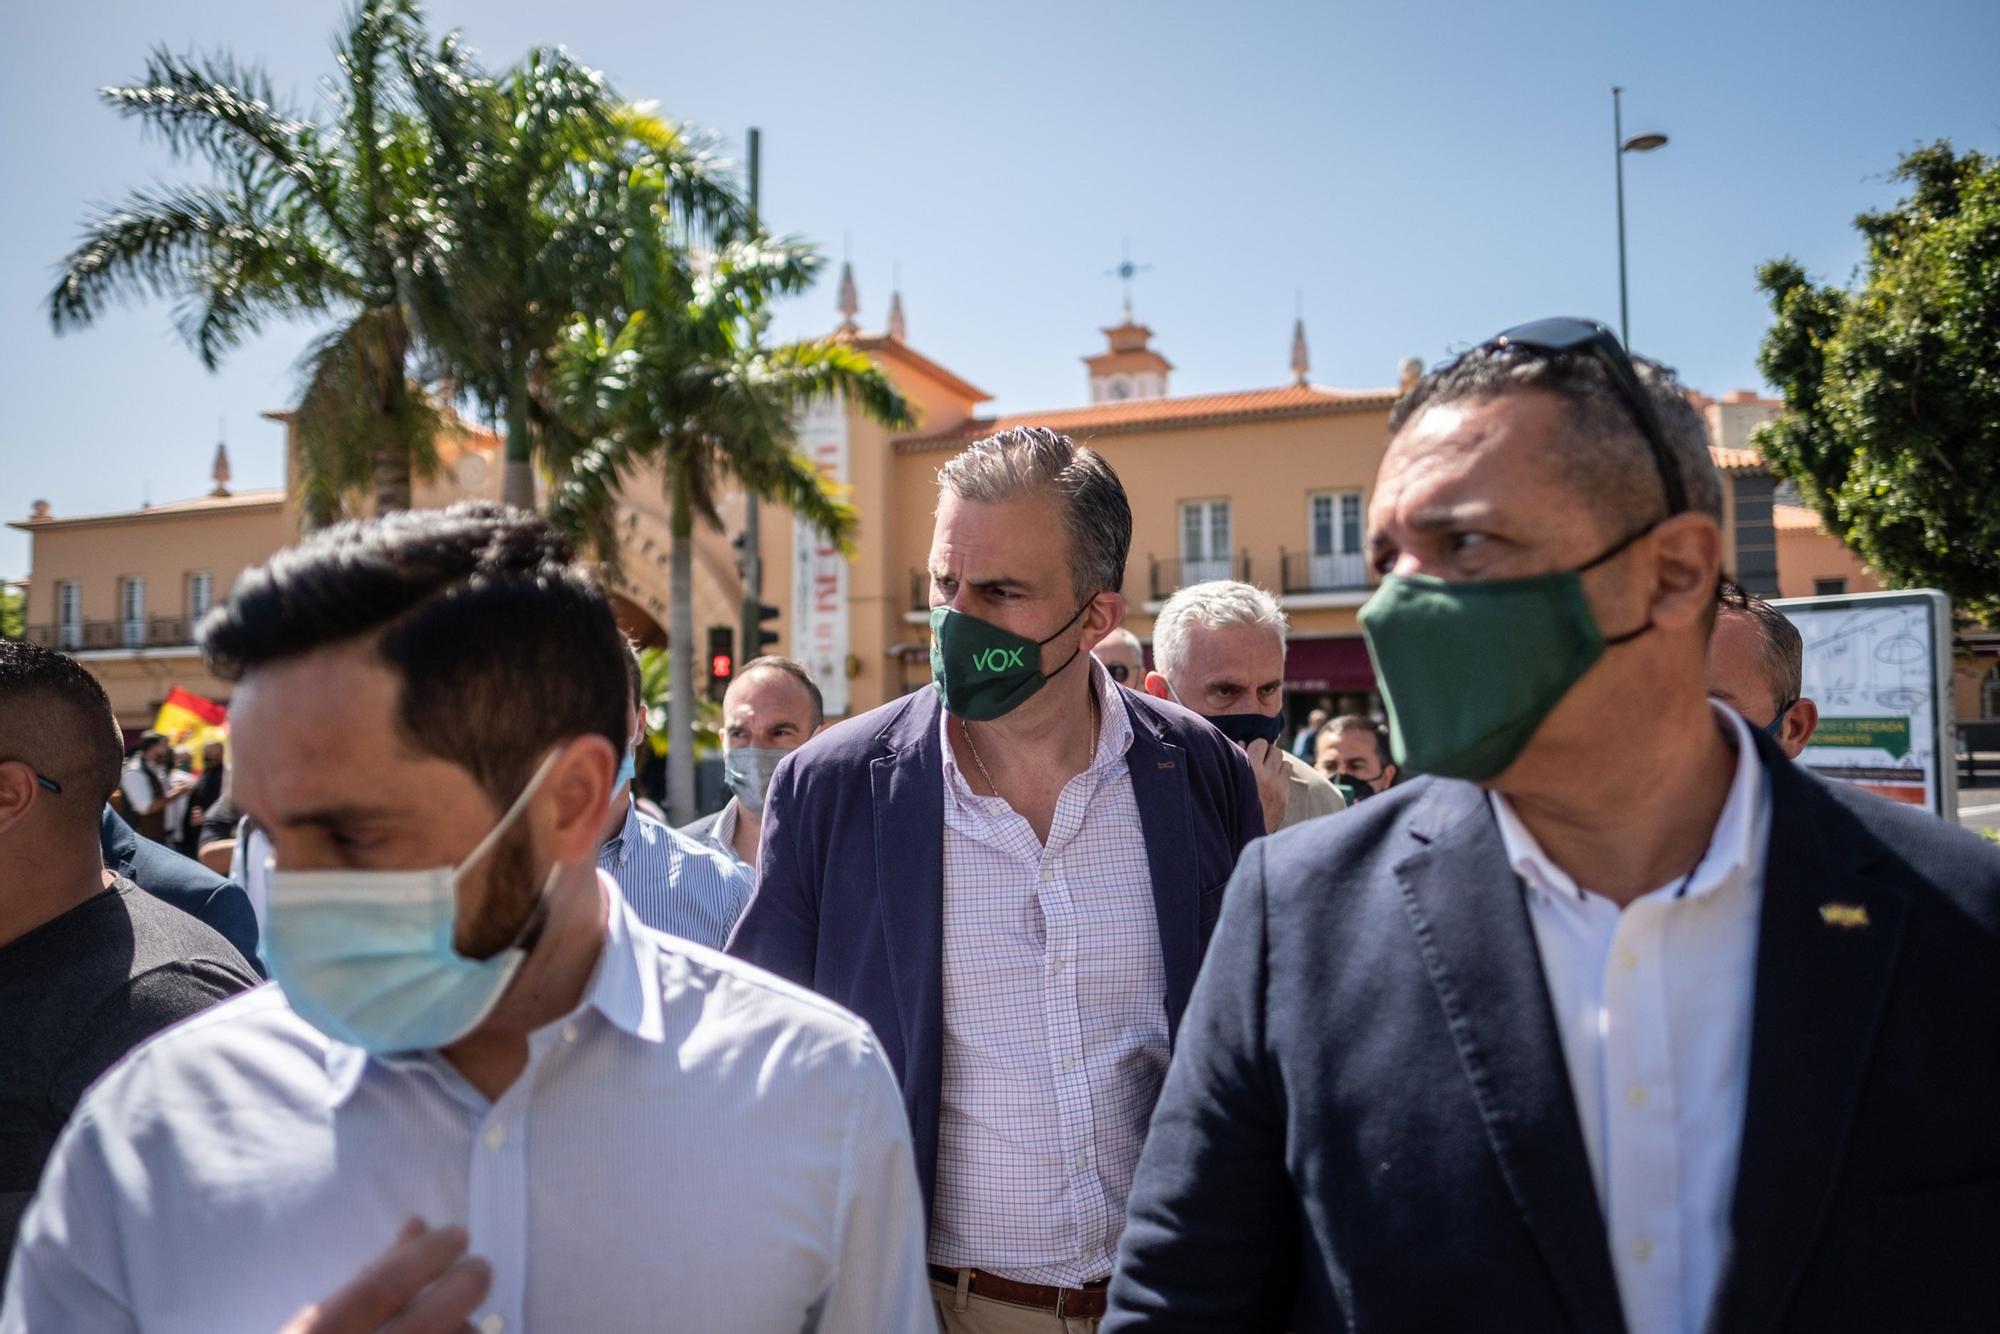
(1204, 541)
(132, 610)
(1334, 527)
(200, 597)
(1989, 693)
(69, 614)
(1829, 588)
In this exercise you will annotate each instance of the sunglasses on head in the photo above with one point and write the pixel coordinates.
(1119, 672)
(1566, 334)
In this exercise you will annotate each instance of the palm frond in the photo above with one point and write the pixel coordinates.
(227, 112)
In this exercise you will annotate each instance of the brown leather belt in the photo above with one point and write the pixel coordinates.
(1085, 1303)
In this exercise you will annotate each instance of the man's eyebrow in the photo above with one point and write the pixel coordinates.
(327, 817)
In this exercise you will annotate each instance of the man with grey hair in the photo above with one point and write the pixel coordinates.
(1123, 656)
(1756, 665)
(1220, 650)
(1615, 1016)
(1012, 877)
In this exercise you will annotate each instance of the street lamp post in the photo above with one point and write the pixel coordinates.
(1638, 143)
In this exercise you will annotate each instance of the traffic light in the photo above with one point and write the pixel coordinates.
(721, 660)
(765, 638)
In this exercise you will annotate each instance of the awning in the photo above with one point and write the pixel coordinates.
(1333, 666)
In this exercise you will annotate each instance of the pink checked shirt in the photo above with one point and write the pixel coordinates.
(1055, 1021)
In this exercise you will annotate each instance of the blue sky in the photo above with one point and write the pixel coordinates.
(1423, 174)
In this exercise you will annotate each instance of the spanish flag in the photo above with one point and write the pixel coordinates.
(186, 719)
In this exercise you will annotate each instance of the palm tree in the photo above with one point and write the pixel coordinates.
(527, 184)
(682, 381)
(302, 218)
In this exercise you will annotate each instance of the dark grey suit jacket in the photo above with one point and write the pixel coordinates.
(1368, 1123)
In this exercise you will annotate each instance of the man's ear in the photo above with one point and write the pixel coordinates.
(577, 793)
(1156, 686)
(1690, 562)
(1800, 724)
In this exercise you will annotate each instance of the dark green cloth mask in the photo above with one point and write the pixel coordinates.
(981, 671)
(1470, 668)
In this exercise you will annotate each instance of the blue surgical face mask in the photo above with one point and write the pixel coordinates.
(628, 769)
(366, 957)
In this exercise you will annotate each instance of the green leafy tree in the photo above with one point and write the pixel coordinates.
(301, 219)
(1891, 431)
(678, 378)
(525, 188)
(13, 613)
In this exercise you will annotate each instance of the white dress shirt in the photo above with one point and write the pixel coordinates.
(1055, 1021)
(697, 1146)
(1653, 1005)
(676, 883)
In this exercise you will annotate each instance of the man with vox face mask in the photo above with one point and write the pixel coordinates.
(481, 1093)
(1615, 1020)
(1012, 877)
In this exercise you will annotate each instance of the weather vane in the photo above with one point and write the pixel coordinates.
(1125, 272)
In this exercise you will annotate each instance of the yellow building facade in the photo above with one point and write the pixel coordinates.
(1270, 485)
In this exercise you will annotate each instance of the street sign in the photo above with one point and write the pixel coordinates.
(1878, 665)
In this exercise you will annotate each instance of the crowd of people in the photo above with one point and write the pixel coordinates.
(1069, 994)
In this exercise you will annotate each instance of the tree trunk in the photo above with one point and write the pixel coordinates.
(680, 650)
(392, 447)
(517, 487)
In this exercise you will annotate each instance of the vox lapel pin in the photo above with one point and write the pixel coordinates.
(1846, 916)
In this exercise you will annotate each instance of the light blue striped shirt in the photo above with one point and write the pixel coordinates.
(697, 1146)
(675, 883)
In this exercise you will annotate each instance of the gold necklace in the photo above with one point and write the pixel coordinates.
(993, 787)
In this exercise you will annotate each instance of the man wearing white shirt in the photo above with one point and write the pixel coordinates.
(151, 785)
(483, 1092)
(1614, 1019)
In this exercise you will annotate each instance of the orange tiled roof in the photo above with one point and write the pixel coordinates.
(1737, 460)
(1152, 414)
(1794, 519)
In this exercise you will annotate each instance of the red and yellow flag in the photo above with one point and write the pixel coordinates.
(187, 719)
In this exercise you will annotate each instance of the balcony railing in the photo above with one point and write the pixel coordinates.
(153, 632)
(1169, 575)
(1303, 572)
(920, 590)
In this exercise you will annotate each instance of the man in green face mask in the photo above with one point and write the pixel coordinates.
(1011, 876)
(1617, 1017)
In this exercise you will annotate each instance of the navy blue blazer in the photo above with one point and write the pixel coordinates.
(850, 892)
(216, 902)
(1368, 1123)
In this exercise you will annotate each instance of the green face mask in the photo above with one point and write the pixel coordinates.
(1470, 669)
(981, 671)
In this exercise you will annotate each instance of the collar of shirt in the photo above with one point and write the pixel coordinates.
(624, 988)
(1734, 846)
(619, 845)
(723, 832)
(1114, 738)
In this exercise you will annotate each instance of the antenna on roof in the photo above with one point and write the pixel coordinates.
(1124, 273)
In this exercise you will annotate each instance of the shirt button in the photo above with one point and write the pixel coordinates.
(1636, 1095)
(1628, 958)
(496, 1135)
(492, 1323)
(1048, 872)
(569, 1032)
(1069, 1062)
(1642, 1249)
(1082, 1161)
(1055, 968)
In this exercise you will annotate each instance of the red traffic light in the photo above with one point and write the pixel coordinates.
(719, 665)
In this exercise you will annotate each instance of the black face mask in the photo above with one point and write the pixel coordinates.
(1243, 728)
(1353, 789)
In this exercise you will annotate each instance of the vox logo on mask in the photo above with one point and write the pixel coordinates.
(998, 659)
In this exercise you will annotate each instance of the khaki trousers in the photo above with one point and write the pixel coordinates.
(983, 1315)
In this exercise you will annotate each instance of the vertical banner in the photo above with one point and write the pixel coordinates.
(819, 570)
(1878, 665)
